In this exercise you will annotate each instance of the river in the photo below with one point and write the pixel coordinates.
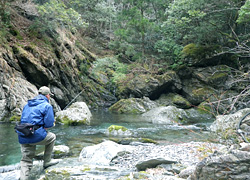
(77, 137)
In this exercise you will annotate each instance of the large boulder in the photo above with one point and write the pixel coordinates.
(196, 92)
(103, 153)
(164, 115)
(151, 86)
(226, 125)
(215, 76)
(152, 163)
(174, 100)
(195, 115)
(133, 105)
(172, 115)
(78, 113)
(233, 164)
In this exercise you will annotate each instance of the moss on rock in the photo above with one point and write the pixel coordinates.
(204, 108)
(67, 121)
(116, 128)
(15, 118)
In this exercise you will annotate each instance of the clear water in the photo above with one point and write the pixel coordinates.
(77, 137)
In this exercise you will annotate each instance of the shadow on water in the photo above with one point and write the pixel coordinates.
(77, 137)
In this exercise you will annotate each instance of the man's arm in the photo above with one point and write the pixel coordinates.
(49, 117)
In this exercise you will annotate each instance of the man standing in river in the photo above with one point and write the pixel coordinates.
(40, 113)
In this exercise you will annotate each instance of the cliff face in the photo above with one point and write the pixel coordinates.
(29, 61)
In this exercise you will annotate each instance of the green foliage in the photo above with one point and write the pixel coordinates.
(124, 49)
(15, 33)
(168, 49)
(137, 28)
(201, 22)
(4, 12)
(244, 13)
(55, 13)
(111, 67)
(100, 15)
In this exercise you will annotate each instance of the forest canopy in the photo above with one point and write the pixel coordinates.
(166, 32)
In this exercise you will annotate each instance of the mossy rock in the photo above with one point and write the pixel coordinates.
(15, 118)
(205, 107)
(180, 102)
(57, 174)
(86, 169)
(199, 95)
(116, 128)
(67, 121)
(132, 106)
(218, 78)
(118, 131)
(124, 106)
(147, 140)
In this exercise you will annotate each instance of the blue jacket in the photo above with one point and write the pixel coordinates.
(37, 111)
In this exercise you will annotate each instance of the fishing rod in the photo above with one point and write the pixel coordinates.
(73, 99)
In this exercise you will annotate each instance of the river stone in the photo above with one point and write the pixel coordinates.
(149, 85)
(185, 173)
(174, 100)
(2, 108)
(72, 168)
(9, 168)
(194, 115)
(215, 76)
(152, 163)
(245, 147)
(231, 165)
(60, 151)
(77, 113)
(196, 92)
(133, 105)
(118, 131)
(12, 175)
(103, 153)
(225, 125)
(225, 122)
(165, 115)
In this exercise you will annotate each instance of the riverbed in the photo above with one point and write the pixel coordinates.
(77, 137)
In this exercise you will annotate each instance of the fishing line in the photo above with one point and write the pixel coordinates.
(73, 99)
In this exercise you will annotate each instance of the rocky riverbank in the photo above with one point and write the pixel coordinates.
(109, 160)
(138, 159)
